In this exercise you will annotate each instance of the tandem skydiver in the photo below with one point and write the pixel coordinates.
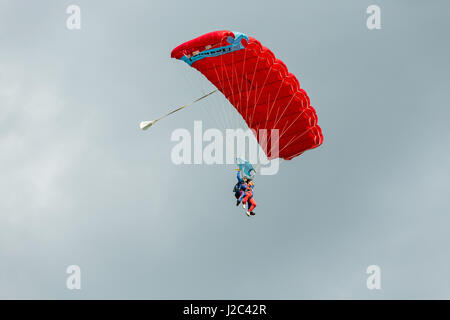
(243, 191)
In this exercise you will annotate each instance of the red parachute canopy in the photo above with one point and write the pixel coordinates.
(259, 86)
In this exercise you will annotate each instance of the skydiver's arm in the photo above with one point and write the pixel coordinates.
(239, 176)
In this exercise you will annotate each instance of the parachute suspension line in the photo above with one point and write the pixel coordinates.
(228, 80)
(222, 117)
(233, 93)
(274, 102)
(295, 138)
(277, 116)
(196, 80)
(144, 125)
(200, 79)
(241, 93)
(257, 96)
(285, 129)
(226, 117)
(228, 77)
(262, 87)
(243, 77)
(230, 123)
(248, 95)
(239, 88)
(239, 85)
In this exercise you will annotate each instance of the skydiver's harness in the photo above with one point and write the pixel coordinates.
(239, 186)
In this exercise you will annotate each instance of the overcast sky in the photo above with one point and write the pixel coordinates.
(80, 184)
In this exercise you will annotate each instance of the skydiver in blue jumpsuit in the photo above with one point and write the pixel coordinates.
(240, 188)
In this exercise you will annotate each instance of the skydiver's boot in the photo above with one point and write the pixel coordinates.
(248, 213)
(252, 213)
(243, 205)
(237, 203)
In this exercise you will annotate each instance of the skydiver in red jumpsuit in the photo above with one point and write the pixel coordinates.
(249, 197)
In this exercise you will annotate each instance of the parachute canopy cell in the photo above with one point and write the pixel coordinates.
(259, 86)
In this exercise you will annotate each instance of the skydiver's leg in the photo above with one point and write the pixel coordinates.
(244, 200)
(248, 195)
(252, 204)
(239, 197)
